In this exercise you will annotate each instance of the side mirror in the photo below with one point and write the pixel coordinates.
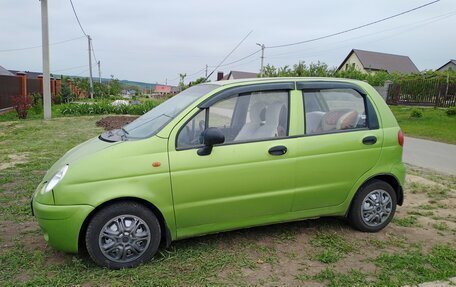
(211, 137)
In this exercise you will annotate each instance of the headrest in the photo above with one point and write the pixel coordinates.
(258, 113)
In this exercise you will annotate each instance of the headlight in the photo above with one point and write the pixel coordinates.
(56, 178)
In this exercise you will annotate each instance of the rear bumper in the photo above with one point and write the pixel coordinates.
(61, 224)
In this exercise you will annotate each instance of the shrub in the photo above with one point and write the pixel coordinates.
(22, 105)
(451, 111)
(37, 102)
(415, 113)
(66, 95)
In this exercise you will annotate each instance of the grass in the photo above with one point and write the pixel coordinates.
(415, 266)
(434, 124)
(257, 256)
(441, 226)
(412, 267)
(32, 114)
(86, 107)
(407, 221)
(31, 146)
(332, 247)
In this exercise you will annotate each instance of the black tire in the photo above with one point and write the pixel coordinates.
(118, 220)
(379, 220)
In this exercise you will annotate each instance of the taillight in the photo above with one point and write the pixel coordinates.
(400, 138)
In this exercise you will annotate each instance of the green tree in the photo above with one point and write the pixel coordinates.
(181, 81)
(197, 81)
(65, 92)
(100, 90)
(82, 84)
(114, 86)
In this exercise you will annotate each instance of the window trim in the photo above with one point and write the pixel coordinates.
(371, 114)
(263, 87)
(226, 96)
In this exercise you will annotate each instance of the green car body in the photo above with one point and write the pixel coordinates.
(237, 185)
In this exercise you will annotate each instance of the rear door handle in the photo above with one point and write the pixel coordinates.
(278, 150)
(370, 140)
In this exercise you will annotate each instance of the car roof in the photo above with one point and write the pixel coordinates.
(282, 79)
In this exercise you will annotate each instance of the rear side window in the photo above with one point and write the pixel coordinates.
(334, 110)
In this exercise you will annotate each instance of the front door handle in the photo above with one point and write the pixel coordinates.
(370, 140)
(278, 150)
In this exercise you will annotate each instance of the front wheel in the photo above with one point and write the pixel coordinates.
(123, 235)
(373, 207)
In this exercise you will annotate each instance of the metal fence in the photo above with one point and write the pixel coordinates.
(10, 86)
(33, 86)
(430, 92)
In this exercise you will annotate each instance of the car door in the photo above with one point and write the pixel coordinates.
(245, 181)
(342, 141)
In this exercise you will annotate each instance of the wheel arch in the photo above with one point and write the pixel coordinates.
(166, 237)
(391, 180)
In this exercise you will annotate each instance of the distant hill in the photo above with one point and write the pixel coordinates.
(141, 85)
(126, 83)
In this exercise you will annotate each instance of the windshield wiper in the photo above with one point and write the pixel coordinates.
(124, 130)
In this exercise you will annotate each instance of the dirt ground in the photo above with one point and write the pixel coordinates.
(280, 256)
(115, 122)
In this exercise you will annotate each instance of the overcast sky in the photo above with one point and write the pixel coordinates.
(151, 41)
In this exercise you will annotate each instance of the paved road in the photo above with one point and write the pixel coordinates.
(429, 154)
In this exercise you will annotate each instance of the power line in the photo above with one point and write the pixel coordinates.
(355, 28)
(67, 69)
(229, 54)
(77, 18)
(226, 64)
(86, 70)
(310, 40)
(197, 72)
(239, 60)
(414, 25)
(39, 46)
(93, 51)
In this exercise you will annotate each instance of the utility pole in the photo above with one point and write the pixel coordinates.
(206, 71)
(99, 72)
(46, 68)
(262, 58)
(90, 66)
(166, 81)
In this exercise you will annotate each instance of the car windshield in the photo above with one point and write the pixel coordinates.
(153, 121)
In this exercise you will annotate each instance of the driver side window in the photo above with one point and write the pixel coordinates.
(241, 118)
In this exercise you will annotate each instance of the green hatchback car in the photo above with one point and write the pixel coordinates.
(222, 156)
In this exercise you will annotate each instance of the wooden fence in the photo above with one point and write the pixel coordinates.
(430, 92)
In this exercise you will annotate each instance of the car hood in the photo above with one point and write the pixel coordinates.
(78, 152)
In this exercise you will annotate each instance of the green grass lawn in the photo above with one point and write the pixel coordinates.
(434, 124)
(323, 251)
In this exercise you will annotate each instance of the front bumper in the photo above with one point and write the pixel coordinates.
(61, 224)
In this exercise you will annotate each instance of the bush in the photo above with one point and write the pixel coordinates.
(37, 103)
(415, 113)
(451, 112)
(66, 95)
(22, 105)
(101, 108)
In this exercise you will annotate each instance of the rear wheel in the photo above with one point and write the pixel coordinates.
(373, 206)
(123, 235)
